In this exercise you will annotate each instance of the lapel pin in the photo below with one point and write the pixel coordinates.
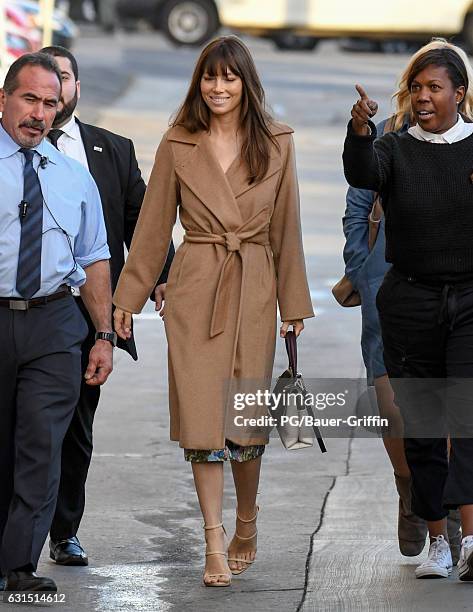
(99, 149)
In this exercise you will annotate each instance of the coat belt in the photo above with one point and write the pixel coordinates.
(232, 241)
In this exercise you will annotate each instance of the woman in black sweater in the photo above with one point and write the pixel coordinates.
(426, 300)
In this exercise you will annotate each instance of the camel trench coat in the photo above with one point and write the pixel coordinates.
(242, 253)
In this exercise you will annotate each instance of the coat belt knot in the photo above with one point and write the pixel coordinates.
(232, 242)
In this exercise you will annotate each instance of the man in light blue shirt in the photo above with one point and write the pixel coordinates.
(71, 204)
(52, 236)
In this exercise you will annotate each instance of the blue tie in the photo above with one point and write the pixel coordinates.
(28, 276)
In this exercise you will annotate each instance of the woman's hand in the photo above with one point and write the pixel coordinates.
(122, 323)
(297, 326)
(362, 112)
(160, 296)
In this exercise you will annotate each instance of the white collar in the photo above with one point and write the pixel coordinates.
(452, 135)
(71, 128)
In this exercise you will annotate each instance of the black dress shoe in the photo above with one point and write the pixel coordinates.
(29, 581)
(68, 552)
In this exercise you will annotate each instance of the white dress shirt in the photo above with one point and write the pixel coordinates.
(459, 131)
(70, 143)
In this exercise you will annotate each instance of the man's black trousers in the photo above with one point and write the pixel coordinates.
(76, 451)
(39, 388)
(427, 330)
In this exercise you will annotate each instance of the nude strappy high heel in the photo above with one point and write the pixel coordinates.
(227, 577)
(243, 539)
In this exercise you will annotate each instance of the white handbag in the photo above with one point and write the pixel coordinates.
(293, 412)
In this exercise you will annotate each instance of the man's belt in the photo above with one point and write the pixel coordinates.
(20, 304)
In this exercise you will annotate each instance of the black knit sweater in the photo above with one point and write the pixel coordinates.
(427, 196)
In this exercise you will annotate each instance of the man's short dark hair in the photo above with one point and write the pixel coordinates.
(30, 59)
(57, 51)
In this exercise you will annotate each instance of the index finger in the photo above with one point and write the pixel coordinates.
(361, 91)
(127, 322)
(122, 323)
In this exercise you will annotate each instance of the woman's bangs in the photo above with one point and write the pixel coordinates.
(220, 61)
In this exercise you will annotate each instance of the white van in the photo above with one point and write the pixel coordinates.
(282, 20)
(301, 23)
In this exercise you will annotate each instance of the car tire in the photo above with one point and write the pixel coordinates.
(287, 41)
(188, 22)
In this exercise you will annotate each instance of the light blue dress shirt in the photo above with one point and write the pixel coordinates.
(71, 202)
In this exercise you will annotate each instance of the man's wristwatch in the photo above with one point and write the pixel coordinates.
(110, 336)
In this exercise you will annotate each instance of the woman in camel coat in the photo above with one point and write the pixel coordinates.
(229, 170)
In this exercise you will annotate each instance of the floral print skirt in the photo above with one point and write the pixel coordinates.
(232, 452)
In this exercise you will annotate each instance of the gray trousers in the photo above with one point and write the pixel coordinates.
(40, 374)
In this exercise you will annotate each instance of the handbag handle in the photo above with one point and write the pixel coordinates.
(291, 349)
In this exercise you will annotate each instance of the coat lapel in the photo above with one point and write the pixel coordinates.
(95, 152)
(197, 161)
(238, 175)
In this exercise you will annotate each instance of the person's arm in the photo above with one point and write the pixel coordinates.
(366, 164)
(360, 160)
(359, 203)
(285, 236)
(92, 254)
(150, 245)
(163, 279)
(96, 294)
(135, 192)
(159, 294)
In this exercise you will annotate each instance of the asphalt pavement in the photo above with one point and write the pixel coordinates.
(327, 525)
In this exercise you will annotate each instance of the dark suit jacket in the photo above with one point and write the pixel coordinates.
(112, 163)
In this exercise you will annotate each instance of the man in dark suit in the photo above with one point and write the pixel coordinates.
(111, 160)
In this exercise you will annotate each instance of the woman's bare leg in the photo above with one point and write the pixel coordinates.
(246, 478)
(208, 479)
(437, 528)
(466, 513)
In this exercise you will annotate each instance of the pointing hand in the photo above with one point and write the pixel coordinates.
(363, 110)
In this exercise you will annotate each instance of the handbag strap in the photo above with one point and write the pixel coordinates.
(291, 349)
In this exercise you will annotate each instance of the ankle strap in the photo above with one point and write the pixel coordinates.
(207, 527)
(248, 520)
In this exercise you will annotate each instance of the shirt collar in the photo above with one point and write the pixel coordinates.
(9, 147)
(71, 128)
(450, 136)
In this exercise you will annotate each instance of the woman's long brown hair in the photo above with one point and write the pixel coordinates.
(219, 56)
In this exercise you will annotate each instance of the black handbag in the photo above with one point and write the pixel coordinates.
(290, 387)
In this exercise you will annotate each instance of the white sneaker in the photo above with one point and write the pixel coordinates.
(439, 562)
(465, 564)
